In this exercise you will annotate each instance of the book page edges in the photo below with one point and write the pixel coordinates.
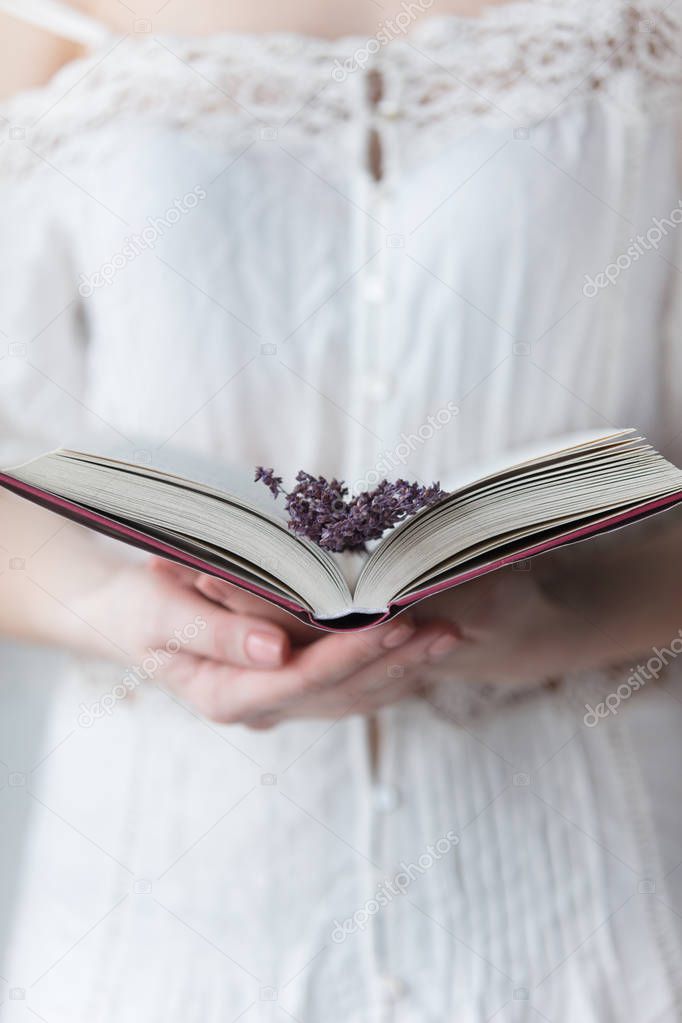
(603, 525)
(136, 538)
(356, 620)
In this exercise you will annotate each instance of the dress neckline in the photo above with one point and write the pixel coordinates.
(493, 13)
(514, 65)
(495, 18)
(104, 39)
(85, 29)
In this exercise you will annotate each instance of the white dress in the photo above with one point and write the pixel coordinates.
(194, 255)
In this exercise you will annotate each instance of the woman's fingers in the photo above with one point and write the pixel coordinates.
(172, 570)
(239, 640)
(340, 657)
(240, 667)
(234, 598)
(200, 682)
(243, 602)
(225, 593)
(350, 665)
(345, 678)
(210, 689)
(430, 643)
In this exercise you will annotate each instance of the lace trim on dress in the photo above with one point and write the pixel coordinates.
(523, 61)
(519, 63)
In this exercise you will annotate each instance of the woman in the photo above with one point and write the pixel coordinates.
(294, 237)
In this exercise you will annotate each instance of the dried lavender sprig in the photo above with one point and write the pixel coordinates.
(267, 476)
(318, 508)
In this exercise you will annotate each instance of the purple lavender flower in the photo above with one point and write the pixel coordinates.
(267, 476)
(318, 508)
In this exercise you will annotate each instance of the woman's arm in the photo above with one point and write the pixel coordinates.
(49, 565)
(64, 587)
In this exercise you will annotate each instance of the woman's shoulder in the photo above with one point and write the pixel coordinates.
(30, 55)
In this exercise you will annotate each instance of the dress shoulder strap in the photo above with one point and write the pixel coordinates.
(59, 18)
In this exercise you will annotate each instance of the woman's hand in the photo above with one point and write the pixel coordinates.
(512, 630)
(583, 607)
(246, 662)
(589, 606)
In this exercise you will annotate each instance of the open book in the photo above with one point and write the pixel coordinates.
(584, 487)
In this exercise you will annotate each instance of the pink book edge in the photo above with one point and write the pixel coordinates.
(136, 538)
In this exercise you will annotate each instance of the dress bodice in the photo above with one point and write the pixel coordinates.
(217, 237)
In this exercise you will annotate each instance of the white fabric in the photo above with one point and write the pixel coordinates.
(301, 314)
(59, 19)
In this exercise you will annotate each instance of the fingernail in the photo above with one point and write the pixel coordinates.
(264, 649)
(399, 634)
(441, 646)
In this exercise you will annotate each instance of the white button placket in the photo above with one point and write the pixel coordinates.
(377, 375)
(379, 383)
(372, 357)
(375, 300)
(386, 798)
(377, 291)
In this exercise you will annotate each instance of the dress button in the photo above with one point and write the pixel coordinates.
(375, 289)
(384, 192)
(379, 388)
(386, 798)
(392, 988)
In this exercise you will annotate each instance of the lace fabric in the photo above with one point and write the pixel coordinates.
(516, 64)
(522, 62)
